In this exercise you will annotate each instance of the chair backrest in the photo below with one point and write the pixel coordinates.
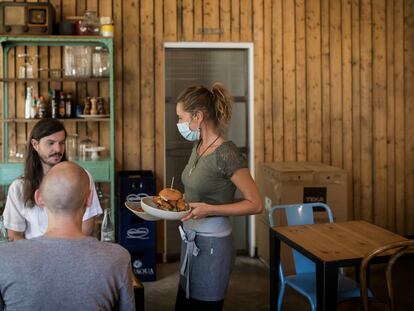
(399, 249)
(300, 214)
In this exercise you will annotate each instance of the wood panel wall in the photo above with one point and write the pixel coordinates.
(334, 82)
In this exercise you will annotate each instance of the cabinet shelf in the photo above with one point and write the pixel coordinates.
(15, 128)
(100, 170)
(22, 120)
(65, 79)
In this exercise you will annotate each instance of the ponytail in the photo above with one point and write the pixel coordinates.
(222, 104)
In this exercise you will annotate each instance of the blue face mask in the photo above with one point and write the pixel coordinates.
(187, 133)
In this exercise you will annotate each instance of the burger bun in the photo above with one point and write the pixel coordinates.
(169, 194)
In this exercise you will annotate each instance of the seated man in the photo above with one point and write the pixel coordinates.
(65, 269)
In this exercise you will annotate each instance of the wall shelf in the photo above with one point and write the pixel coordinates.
(22, 120)
(15, 128)
(53, 79)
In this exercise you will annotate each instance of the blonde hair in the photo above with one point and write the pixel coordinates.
(215, 103)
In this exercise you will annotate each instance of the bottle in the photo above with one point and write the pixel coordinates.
(34, 110)
(107, 229)
(28, 102)
(62, 105)
(100, 105)
(54, 107)
(87, 106)
(3, 231)
(79, 109)
(41, 108)
(68, 106)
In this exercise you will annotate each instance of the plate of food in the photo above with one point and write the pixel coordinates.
(135, 207)
(169, 204)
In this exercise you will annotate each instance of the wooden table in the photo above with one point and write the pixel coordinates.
(330, 246)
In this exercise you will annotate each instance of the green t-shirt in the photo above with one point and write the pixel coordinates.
(209, 181)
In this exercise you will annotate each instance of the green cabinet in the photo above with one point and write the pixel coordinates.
(47, 55)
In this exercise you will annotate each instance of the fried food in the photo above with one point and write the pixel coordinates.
(170, 200)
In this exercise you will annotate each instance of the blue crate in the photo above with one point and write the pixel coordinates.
(144, 264)
(133, 232)
(135, 182)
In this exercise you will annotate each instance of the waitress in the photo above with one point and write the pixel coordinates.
(215, 169)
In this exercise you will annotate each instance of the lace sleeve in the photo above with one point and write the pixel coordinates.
(230, 159)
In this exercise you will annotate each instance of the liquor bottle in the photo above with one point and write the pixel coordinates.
(107, 229)
(3, 231)
(28, 102)
(41, 108)
(62, 105)
(54, 107)
(68, 106)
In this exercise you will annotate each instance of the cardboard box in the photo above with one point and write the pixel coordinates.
(293, 183)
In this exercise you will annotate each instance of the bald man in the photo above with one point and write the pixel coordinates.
(65, 269)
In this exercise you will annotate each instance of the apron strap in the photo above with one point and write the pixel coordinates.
(188, 237)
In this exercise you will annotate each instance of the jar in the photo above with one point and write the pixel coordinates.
(17, 152)
(89, 25)
(107, 30)
(86, 144)
(69, 61)
(72, 147)
(78, 61)
(100, 62)
(107, 27)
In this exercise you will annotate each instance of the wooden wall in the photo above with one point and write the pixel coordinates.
(334, 82)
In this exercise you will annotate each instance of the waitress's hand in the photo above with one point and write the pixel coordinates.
(198, 210)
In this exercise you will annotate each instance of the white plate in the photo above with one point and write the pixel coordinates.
(132, 207)
(151, 208)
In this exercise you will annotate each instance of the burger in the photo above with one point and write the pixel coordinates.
(170, 199)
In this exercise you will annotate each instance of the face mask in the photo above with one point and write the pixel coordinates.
(187, 133)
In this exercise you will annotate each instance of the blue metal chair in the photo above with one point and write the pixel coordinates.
(304, 281)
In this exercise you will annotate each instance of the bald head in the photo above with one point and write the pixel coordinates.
(65, 188)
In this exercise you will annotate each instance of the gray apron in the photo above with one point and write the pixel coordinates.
(206, 262)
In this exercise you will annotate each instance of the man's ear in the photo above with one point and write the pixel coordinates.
(35, 144)
(38, 198)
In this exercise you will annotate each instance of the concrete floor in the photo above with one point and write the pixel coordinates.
(249, 287)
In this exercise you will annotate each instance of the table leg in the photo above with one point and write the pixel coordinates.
(274, 264)
(326, 286)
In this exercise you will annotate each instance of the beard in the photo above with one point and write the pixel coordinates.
(51, 159)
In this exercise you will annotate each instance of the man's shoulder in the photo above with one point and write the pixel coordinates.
(114, 248)
(106, 248)
(12, 249)
(17, 183)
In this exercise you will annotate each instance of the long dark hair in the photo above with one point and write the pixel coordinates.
(33, 170)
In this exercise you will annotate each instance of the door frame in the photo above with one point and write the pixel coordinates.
(251, 230)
